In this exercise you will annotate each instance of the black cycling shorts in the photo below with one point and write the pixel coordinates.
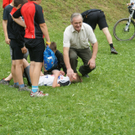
(94, 18)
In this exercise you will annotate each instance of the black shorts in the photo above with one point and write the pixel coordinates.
(36, 49)
(16, 50)
(95, 18)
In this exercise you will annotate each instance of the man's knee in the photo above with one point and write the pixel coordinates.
(73, 55)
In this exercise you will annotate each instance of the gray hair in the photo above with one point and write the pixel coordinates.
(75, 15)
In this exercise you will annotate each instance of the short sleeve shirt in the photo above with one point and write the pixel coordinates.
(15, 31)
(47, 80)
(79, 40)
(6, 2)
(33, 16)
(7, 11)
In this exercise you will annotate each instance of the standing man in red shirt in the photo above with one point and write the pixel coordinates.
(35, 29)
(6, 2)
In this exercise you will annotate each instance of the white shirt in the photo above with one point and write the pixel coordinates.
(47, 80)
(79, 40)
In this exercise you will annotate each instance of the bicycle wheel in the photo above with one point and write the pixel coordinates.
(122, 34)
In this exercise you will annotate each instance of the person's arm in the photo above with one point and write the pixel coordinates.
(19, 21)
(92, 39)
(4, 23)
(92, 62)
(66, 47)
(44, 29)
(70, 71)
(56, 74)
(41, 21)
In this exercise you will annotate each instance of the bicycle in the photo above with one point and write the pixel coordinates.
(124, 29)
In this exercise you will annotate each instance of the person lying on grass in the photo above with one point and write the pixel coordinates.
(57, 79)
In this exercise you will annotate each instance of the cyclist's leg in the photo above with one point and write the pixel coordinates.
(107, 34)
(104, 27)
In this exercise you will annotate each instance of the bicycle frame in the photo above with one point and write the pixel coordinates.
(124, 29)
(130, 18)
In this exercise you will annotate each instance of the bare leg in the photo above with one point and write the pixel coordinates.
(19, 68)
(108, 35)
(9, 77)
(13, 69)
(25, 63)
(35, 70)
(109, 39)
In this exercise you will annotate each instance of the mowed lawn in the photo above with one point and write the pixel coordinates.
(103, 104)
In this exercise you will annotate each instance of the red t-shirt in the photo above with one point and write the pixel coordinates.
(6, 2)
(33, 16)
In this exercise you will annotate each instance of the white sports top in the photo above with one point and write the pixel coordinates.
(47, 80)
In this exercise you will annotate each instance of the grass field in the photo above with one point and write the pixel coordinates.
(103, 104)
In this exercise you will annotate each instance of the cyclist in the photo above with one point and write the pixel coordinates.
(132, 2)
(94, 17)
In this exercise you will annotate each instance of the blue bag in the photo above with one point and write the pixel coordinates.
(50, 60)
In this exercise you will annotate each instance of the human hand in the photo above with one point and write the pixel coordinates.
(47, 43)
(62, 72)
(7, 40)
(92, 63)
(24, 50)
(70, 73)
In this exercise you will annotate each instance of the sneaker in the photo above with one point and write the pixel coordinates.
(113, 51)
(38, 94)
(24, 89)
(14, 86)
(2, 81)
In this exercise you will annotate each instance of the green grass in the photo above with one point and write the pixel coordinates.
(104, 104)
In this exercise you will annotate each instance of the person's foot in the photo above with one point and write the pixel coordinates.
(2, 81)
(24, 89)
(113, 50)
(38, 94)
(14, 86)
(87, 76)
